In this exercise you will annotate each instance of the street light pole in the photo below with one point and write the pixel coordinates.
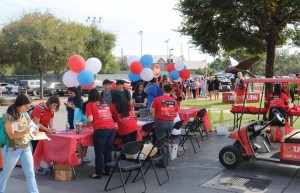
(93, 20)
(141, 34)
(167, 41)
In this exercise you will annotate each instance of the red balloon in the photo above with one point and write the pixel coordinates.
(185, 74)
(136, 67)
(87, 87)
(170, 67)
(76, 63)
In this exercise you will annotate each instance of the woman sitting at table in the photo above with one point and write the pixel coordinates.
(43, 115)
(100, 117)
(139, 97)
(276, 100)
(124, 115)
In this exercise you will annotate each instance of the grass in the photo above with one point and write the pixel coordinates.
(216, 106)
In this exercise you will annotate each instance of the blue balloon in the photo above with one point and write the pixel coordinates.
(146, 61)
(184, 67)
(85, 77)
(134, 77)
(174, 74)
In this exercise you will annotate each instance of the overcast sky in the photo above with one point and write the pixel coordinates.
(124, 18)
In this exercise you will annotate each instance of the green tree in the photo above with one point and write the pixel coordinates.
(256, 26)
(100, 44)
(32, 40)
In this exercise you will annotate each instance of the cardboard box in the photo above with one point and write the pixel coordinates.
(173, 151)
(63, 172)
(63, 175)
(62, 167)
(145, 151)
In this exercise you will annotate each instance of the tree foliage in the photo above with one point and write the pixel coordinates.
(256, 26)
(41, 42)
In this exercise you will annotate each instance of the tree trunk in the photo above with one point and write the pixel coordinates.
(269, 70)
(41, 71)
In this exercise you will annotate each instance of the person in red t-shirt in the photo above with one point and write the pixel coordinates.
(99, 115)
(123, 113)
(165, 109)
(43, 114)
(276, 100)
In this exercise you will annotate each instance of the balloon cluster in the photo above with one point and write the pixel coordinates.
(81, 72)
(140, 68)
(178, 71)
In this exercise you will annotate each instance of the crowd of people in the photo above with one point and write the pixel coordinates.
(160, 97)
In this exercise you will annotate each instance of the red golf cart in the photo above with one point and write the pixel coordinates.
(252, 141)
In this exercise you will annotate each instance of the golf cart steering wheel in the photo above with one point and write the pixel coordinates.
(278, 116)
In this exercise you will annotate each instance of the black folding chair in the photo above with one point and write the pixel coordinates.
(177, 126)
(148, 128)
(189, 134)
(132, 148)
(157, 158)
(200, 124)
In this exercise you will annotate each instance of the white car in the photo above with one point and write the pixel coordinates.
(5, 86)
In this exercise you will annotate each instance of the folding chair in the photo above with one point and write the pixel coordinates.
(177, 126)
(155, 159)
(133, 149)
(148, 128)
(189, 134)
(200, 124)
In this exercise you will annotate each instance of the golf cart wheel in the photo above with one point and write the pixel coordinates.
(230, 157)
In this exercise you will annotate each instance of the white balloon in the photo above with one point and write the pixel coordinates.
(70, 79)
(94, 65)
(179, 65)
(131, 59)
(147, 74)
(178, 80)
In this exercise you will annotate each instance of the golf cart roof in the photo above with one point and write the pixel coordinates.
(274, 80)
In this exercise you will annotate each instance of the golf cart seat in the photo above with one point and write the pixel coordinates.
(293, 137)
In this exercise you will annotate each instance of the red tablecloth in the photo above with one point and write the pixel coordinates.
(62, 147)
(186, 114)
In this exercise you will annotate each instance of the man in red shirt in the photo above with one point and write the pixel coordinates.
(165, 109)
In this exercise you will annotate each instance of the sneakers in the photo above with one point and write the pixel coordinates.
(40, 170)
(86, 160)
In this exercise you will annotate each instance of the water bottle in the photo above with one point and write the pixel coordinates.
(67, 127)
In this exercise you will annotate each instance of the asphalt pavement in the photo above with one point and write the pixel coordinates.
(190, 173)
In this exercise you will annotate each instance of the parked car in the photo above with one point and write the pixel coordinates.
(7, 88)
(226, 86)
(98, 85)
(15, 89)
(53, 88)
(30, 86)
(127, 84)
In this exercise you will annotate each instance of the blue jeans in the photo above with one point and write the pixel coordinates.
(103, 139)
(10, 159)
(162, 128)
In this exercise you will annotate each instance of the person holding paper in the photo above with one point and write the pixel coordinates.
(16, 122)
(43, 115)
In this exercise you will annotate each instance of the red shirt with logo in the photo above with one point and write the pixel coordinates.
(277, 100)
(44, 116)
(165, 107)
(127, 124)
(102, 117)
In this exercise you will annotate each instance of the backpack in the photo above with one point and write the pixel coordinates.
(32, 108)
(242, 84)
(3, 134)
(159, 91)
